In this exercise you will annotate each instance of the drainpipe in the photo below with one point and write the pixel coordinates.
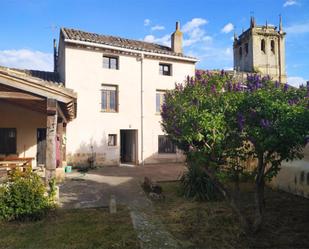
(142, 108)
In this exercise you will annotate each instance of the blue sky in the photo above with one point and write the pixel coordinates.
(28, 26)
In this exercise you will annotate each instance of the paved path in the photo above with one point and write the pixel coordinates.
(94, 189)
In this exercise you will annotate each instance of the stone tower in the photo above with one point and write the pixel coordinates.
(261, 49)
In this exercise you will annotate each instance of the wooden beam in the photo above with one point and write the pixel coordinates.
(19, 95)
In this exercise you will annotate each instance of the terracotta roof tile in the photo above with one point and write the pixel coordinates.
(79, 35)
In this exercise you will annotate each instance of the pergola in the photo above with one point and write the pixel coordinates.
(41, 92)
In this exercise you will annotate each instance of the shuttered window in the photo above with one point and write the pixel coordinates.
(109, 98)
(165, 145)
(7, 141)
(160, 96)
(110, 62)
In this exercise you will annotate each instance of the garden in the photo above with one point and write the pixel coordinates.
(235, 136)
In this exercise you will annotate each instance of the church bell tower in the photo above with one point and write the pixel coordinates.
(261, 49)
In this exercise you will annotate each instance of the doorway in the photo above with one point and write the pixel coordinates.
(41, 146)
(128, 146)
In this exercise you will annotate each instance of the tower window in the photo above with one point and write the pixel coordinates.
(246, 48)
(240, 52)
(263, 46)
(272, 46)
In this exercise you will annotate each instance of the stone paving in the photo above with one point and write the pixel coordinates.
(94, 189)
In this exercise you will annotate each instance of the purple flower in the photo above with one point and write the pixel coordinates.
(265, 123)
(222, 72)
(277, 84)
(213, 89)
(286, 87)
(240, 121)
(204, 82)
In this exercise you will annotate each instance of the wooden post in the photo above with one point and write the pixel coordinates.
(51, 131)
(60, 135)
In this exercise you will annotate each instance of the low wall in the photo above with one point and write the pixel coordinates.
(293, 177)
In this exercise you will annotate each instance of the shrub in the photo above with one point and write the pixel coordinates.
(196, 184)
(24, 196)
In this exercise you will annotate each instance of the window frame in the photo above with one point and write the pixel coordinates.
(162, 72)
(108, 108)
(240, 52)
(161, 101)
(171, 150)
(114, 136)
(4, 148)
(263, 46)
(273, 46)
(110, 57)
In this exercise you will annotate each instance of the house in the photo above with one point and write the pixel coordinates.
(120, 85)
(35, 109)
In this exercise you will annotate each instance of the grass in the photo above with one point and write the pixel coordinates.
(199, 225)
(78, 229)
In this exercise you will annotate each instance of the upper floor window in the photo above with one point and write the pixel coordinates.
(165, 69)
(160, 96)
(240, 52)
(7, 141)
(109, 98)
(165, 145)
(110, 62)
(246, 48)
(263, 46)
(272, 46)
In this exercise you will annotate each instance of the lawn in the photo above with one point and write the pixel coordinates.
(200, 225)
(78, 229)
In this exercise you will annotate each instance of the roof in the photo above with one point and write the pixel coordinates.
(49, 80)
(78, 35)
(40, 83)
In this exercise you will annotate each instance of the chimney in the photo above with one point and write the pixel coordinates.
(55, 55)
(176, 40)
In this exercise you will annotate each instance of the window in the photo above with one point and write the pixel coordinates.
(263, 46)
(272, 46)
(112, 140)
(7, 141)
(165, 69)
(240, 52)
(110, 62)
(109, 98)
(165, 145)
(160, 97)
(246, 48)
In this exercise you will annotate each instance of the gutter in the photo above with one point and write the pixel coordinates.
(91, 44)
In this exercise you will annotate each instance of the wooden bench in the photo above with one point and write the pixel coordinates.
(11, 163)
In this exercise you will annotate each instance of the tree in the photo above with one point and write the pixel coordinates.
(225, 122)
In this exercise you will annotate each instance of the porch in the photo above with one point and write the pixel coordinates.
(34, 109)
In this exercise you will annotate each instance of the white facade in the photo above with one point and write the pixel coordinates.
(137, 80)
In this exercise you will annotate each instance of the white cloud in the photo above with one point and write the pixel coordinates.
(165, 40)
(290, 3)
(146, 22)
(227, 28)
(158, 27)
(194, 24)
(296, 81)
(300, 28)
(26, 59)
(194, 32)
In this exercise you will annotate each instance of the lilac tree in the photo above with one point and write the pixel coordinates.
(224, 122)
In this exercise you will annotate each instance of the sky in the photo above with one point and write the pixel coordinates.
(27, 27)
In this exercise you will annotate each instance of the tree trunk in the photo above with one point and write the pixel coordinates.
(259, 194)
(230, 200)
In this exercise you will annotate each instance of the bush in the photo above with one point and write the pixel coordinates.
(24, 197)
(196, 184)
